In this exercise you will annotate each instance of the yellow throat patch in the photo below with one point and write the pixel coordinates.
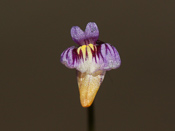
(86, 48)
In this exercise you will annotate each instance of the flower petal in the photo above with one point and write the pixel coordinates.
(78, 35)
(92, 32)
(111, 58)
(69, 57)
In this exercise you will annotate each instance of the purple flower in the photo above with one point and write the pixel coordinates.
(91, 60)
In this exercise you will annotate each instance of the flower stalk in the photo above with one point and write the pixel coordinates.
(91, 118)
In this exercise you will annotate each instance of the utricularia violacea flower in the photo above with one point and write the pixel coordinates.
(91, 60)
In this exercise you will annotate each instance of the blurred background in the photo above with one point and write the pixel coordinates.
(38, 93)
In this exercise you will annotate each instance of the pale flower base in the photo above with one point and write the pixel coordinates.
(88, 86)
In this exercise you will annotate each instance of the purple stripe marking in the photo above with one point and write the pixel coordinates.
(67, 53)
(99, 52)
(94, 54)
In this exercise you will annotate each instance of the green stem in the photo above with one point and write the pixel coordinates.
(91, 121)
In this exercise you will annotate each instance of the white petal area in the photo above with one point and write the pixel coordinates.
(88, 64)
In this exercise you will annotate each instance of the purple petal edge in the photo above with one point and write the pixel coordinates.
(69, 57)
(110, 56)
(78, 35)
(92, 32)
(90, 35)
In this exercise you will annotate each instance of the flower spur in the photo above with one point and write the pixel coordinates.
(91, 60)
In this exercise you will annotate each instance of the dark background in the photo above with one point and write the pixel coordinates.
(38, 93)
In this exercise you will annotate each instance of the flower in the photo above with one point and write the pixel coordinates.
(91, 60)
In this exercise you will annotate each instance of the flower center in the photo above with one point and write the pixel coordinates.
(85, 51)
